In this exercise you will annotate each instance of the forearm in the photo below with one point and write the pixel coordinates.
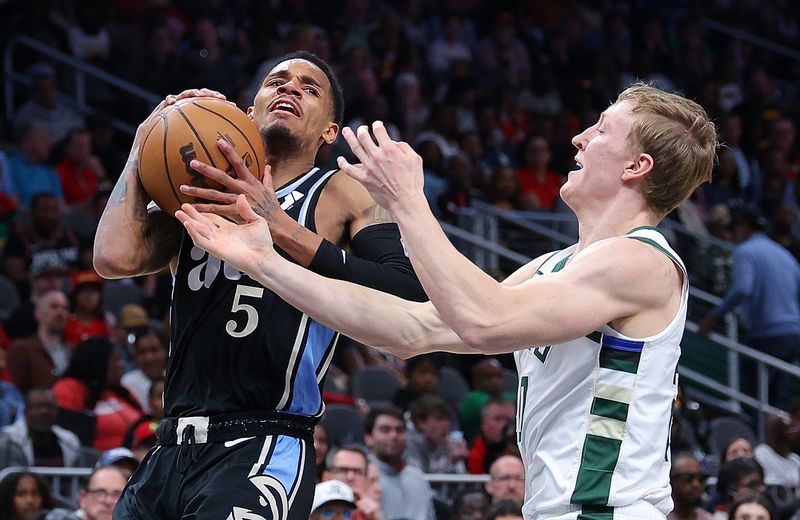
(464, 295)
(368, 316)
(297, 241)
(131, 241)
(378, 261)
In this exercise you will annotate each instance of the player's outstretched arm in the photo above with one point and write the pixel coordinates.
(131, 240)
(372, 317)
(488, 316)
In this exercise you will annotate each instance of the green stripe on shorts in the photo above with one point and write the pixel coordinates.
(596, 513)
(610, 409)
(599, 458)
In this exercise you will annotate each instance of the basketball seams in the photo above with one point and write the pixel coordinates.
(235, 126)
(197, 136)
(166, 164)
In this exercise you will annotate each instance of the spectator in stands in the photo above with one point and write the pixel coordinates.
(776, 455)
(539, 184)
(22, 495)
(332, 499)
(507, 479)
(47, 236)
(36, 440)
(7, 187)
(47, 273)
(487, 383)
(725, 186)
(91, 385)
(104, 146)
(503, 191)
(450, 47)
(36, 361)
(29, 171)
(86, 320)
(432, 445)
(737, 448)
(121, 458)
(736, 479)
(46, 107)
(502, 57)
(688, 481)
(321, 448)
(385, 435)
(142, 434)
(497, 416)
(11, 400)
(80, 171)
(747, 167)
(767, 282)
(102, 491)
(504, 510)
(470, 504)
(753, 506)
(422, 377)
(150, 351)
(349, 464)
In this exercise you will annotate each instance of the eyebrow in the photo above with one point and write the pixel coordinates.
(304, 78)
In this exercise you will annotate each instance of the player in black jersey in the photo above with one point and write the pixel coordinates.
(242, 390)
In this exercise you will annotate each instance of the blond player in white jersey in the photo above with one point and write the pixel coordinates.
(595, 327)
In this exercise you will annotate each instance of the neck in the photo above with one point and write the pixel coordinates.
(611, 221)
(684, 510)
(289, 159)
(48, 337)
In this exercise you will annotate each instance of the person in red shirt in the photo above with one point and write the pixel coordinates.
(79, 170)
(86, 320)
(539, 184)
(91, 385)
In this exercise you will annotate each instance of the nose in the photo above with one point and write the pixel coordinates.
(290, 87)
(579, 140)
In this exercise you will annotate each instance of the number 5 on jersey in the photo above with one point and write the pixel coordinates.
(251, 312)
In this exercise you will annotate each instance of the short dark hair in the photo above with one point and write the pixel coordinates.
(336, 89)
(504, 508)
(416, 361)
(39, 197)
(388, 409)
(354, 448)
(732, 471)
(429, 405)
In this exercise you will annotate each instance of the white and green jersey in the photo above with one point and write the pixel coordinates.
(593, 416)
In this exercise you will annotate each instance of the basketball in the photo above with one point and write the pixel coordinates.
(190, 129)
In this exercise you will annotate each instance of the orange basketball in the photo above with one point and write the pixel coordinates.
(189, 129)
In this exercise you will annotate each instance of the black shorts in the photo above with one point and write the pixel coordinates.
(268, 477)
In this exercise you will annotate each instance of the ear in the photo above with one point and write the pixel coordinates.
(368, 440)
(250, 112)
(641, 165)
(330, 133)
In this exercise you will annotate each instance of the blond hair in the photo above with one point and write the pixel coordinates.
(678, 134)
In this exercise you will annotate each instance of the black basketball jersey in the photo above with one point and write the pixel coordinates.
(238, 347)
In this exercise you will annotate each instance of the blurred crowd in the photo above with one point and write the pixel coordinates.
(489, 93)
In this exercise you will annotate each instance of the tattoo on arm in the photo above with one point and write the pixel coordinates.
(375, 214)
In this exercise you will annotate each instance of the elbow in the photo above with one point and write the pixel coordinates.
(110, 265)
(477, 338)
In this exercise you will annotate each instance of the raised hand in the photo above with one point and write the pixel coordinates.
(260, 194)
(390, 170)
(242, 246)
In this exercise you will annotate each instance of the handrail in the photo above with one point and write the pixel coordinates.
(81, 68)
(486, 244)
(739, 34)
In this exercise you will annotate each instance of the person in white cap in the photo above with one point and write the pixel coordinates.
(333, 499)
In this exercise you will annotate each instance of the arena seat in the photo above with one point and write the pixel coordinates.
(376, 385)
(344, 424)
(452, 386)
(722, 430)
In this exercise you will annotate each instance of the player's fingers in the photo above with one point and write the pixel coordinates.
(266, 180)
(215, 174)
(405, 147)
(381, 135)
(245, 210)
(208, 194)
(194, 214)
(365, 138)
(211, 93)
(242, 173)
(228, 211)
(356, 171)
(355, 145)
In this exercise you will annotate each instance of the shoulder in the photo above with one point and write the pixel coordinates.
(344, 188)
(69, 386)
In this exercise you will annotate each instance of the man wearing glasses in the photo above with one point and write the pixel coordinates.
(105, 486)
(507, 479)
(688, 484)
(349, 464)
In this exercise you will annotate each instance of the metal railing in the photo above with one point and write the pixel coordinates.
(64, 483)
(546, 227)
(82, 73)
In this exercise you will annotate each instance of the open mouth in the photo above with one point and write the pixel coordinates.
(285, 106)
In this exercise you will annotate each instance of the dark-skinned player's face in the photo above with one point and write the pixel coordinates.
(295, 98)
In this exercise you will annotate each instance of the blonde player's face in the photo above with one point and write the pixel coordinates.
(296, 95)
(602, 157)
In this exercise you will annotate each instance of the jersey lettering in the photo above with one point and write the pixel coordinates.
(204, 274)
(541, 353)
